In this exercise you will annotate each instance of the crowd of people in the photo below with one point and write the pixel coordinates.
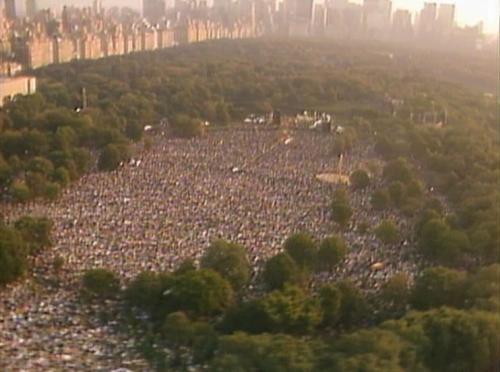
(249, 185)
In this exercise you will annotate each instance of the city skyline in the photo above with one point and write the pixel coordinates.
(468, 11)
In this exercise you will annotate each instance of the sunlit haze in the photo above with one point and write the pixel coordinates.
(469, 12)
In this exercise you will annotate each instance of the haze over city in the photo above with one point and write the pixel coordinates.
(470, 12)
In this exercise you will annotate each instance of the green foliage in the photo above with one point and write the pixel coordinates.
(302, 249)
(380, 200)
(438, 286)
(36, 233)
(290, 311)
(230, 261)
(398, 171)
(341, 209)
(145, 291)
(110, 158)
(439, 242)
(368, 350)
(331, 252)
(395, 293)
(387, 232)
(19, 191)
(359, 179)
(186, 127)
(13, 255)
(353, 306)
(197, 293)
(276, 353)
(331, 300)
(462, 341)
(281, 270)
(100, 283)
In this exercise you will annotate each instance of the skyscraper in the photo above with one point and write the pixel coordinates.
(428, 16)
(402, 25)
(10, 9)
(446, 18)
(299, 15)
(153, 10)
(31, 8)
(377, 16)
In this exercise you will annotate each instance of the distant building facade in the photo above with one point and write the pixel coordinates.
(11, 87)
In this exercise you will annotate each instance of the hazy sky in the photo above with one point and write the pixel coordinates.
(468, 11)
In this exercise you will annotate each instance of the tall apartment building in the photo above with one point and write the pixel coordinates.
(299, 16)
(446, 18)
(11, 87)
(153, 10)
(64, 49)
(31, 8)
(427, 22)
(377, 17)
(35, 51)
(402, 25)
(319, 20)
(10, 9)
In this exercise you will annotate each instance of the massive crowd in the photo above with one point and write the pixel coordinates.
(252, 186)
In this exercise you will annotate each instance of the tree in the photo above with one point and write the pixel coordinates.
(221, 114)
(397, 192)
(368, 350)
(387, 232)
(13, 255)
(36, 232)
(359, 179)
(279, 271)
(442, 244)
(145, 291)
(134, 130)
(483, 285)
(291, 311)
(398, 170)
(277, 353)
(380, 200)
(462, 341)
(396, 293)
(302, 249)
(100, 283)
(185, 127)
(331, 252)
(110, 158)
(353, 306)
(19, 191)
(438, 286)
(230, 261)
(330, 299)
(197, 293)
(341, 213)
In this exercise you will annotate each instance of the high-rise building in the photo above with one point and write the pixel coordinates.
(299, 15)
(300, 9)
(377, 16)
(222, 4)
(31, 8)
(10, 9)
(446, 17)
(97, 7)
(153, 10)
(343, 19)
(428, 16)
(319, 19)
(402, 25)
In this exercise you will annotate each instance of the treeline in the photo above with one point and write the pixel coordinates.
(48, 141)
(26, 237)
(205, 317)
